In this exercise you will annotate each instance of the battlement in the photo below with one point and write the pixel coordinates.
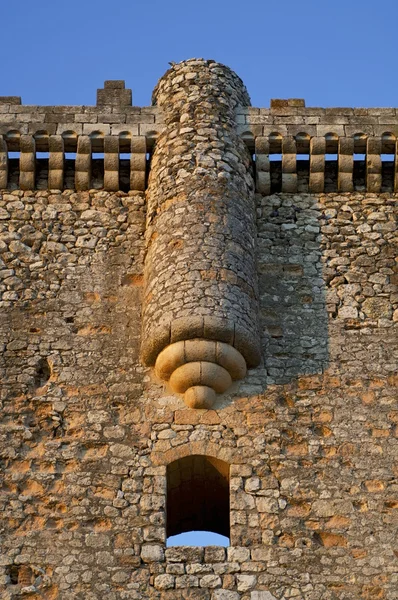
(295, 148)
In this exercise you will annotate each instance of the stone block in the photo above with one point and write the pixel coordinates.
(225, 595)
(184, 554)
(10, 100)
(288, 103)
(152, 553)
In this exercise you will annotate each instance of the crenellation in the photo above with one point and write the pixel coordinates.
(196, 335)
(114, 94)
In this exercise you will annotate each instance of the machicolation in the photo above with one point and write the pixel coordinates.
(198, 331)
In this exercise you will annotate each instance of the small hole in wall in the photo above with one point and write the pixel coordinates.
(20, 575)
(175, 118)
(43, 373)
(13, 574)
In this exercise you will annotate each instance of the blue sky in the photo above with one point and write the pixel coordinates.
(330, 52)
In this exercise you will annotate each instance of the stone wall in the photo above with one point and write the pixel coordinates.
(88, 432)
(311, 434)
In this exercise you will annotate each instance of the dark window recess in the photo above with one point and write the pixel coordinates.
(97, 170)
(303, 172)
(42, 165)
(359, 172)
(69, 170)
(43, 373)
(124, 171)
(331, 172)
(275, 167)
(198, 495)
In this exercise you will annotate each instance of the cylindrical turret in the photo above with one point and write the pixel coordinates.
(200, 271)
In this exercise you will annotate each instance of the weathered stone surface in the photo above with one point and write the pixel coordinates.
(308, 439)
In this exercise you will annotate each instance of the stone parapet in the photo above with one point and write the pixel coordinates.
(287, 132)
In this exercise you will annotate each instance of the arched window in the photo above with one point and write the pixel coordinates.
(198, 495)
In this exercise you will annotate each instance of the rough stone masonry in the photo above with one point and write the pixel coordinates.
(198, 330)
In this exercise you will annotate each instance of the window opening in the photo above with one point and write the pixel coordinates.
(331, 170)
(69, 170)
(275, 168)
(124, 171)
(303, 172)
(13, 170)
(41, 179)
(359, 170)
(387, 172)
(97, 168)
(197, 501)
(42, 374)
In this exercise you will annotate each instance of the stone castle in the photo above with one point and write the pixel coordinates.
(198, 332)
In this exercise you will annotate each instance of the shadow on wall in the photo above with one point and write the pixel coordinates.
(293, 312)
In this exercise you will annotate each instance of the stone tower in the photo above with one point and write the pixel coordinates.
(198, 332)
